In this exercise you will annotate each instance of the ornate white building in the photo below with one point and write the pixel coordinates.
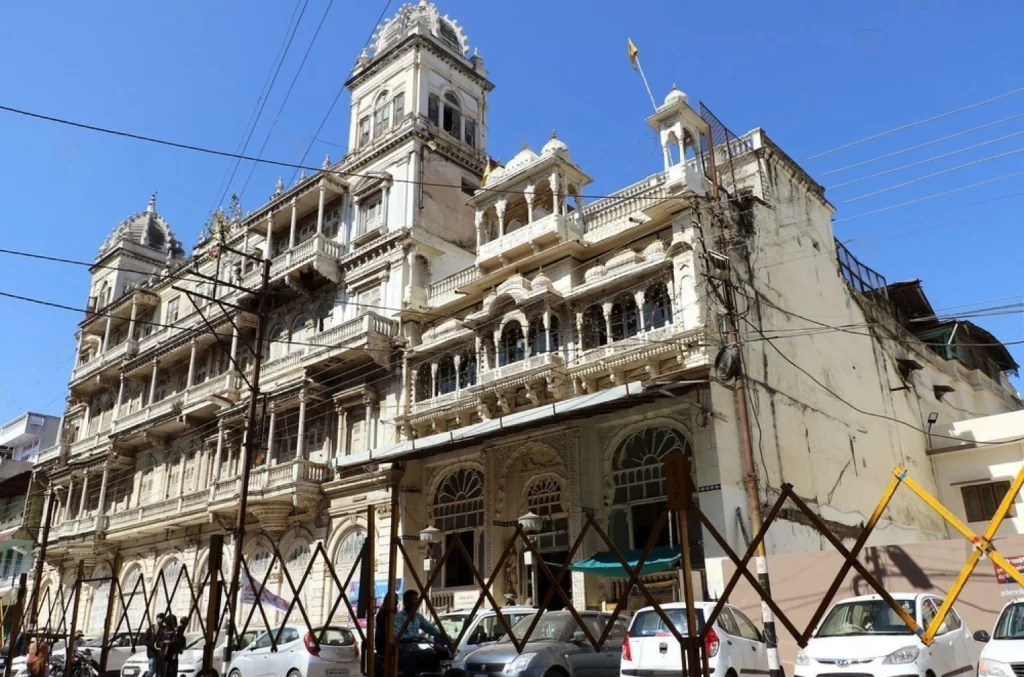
(517, 346)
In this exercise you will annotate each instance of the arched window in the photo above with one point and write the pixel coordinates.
(345, 559)
(259, 563)
(467, 369)
(382, 114)
(296, 565)
(544, 498)
(100, 594)
(278, 341)
(434, 108)
(536, 337)
(657, 308)
(446, 375)
(424, 382)
(513, 344)
(458, 511)
(172, 590)
(324, 315)
(638, 498)
(451, 122)
(133, 593)
(595, 332)
(553, 330)
(299, 333)
(625, 318)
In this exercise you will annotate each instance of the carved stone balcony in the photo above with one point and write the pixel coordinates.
(82, 527)
(673, 343)
(319, 254)
(105, 363)
(367, 335)
(274, 491)
(210, 395)
(153, 517)
(530, 238)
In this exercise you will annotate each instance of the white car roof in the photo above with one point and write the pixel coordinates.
(898, 596)
(484, 612)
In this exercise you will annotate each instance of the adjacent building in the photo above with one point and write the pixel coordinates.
(517, 345)
(21, 500)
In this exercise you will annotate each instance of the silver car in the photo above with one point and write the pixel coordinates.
(482, 629)
(557, 642)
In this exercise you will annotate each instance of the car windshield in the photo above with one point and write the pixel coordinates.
(866, 617)
(452, 623)
(1011, 623)
(94, 642)
(647, 622)
(550, 627)
(332, 636)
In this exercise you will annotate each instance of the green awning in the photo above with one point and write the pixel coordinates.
(662, 558)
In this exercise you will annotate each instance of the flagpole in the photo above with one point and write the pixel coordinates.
(643, 77)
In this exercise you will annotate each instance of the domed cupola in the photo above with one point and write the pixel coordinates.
(145, 229)
(422, 18)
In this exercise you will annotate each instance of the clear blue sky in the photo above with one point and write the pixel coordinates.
(814, 75)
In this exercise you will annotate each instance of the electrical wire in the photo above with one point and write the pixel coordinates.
(256, 109)
(337, 97)
(941, 172)
(288, 94)
(277, 71)
(921, 145)
(917, 123)
(925, 161)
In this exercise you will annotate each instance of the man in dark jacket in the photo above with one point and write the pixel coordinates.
(154, 641)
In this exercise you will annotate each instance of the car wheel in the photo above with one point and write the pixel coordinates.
(235, 673)
(554, 672)
(294, 673)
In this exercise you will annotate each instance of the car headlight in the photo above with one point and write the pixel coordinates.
(802, 658)
(907, 654)
(990, 668)
(520, 663)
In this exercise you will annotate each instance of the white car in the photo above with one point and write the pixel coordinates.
(190, 663)
(1003, 654)
(120, 651)
(734, 645)
(483, 628)
(297, 654)
(864, 635)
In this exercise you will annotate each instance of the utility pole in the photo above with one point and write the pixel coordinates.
(37, 576)
(743, 422)
(252, 442)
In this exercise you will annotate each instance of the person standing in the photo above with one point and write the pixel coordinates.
(175, 645)
(154, 639)
(39, 658)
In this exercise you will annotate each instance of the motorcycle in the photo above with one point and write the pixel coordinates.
(429, 655)
(82, 665)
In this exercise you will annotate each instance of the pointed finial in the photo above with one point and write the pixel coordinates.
(525, 145)
(302, 176)
(279, 188)
(151, 207)
(487, 173)
(554, 134)
(327, 162)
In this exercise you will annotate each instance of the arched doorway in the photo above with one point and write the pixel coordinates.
(544, 497)
(458, 511)
(639, 495)
(344, 559)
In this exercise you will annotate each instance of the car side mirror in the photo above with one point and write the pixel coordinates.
(982, 636)
(760, 637)
(579, 637)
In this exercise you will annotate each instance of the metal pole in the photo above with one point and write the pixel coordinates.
(19, 605)
(691, 661)
(213, 564)
(390, 647)
(70, 646)
(371, 561)
(743, 423)
(37, 576)
(251, 445)
(115, 573)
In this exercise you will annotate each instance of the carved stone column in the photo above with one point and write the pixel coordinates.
(300, 446)
(295, 219)
(320, 209)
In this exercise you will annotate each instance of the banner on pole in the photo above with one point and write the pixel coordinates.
(249, 595)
